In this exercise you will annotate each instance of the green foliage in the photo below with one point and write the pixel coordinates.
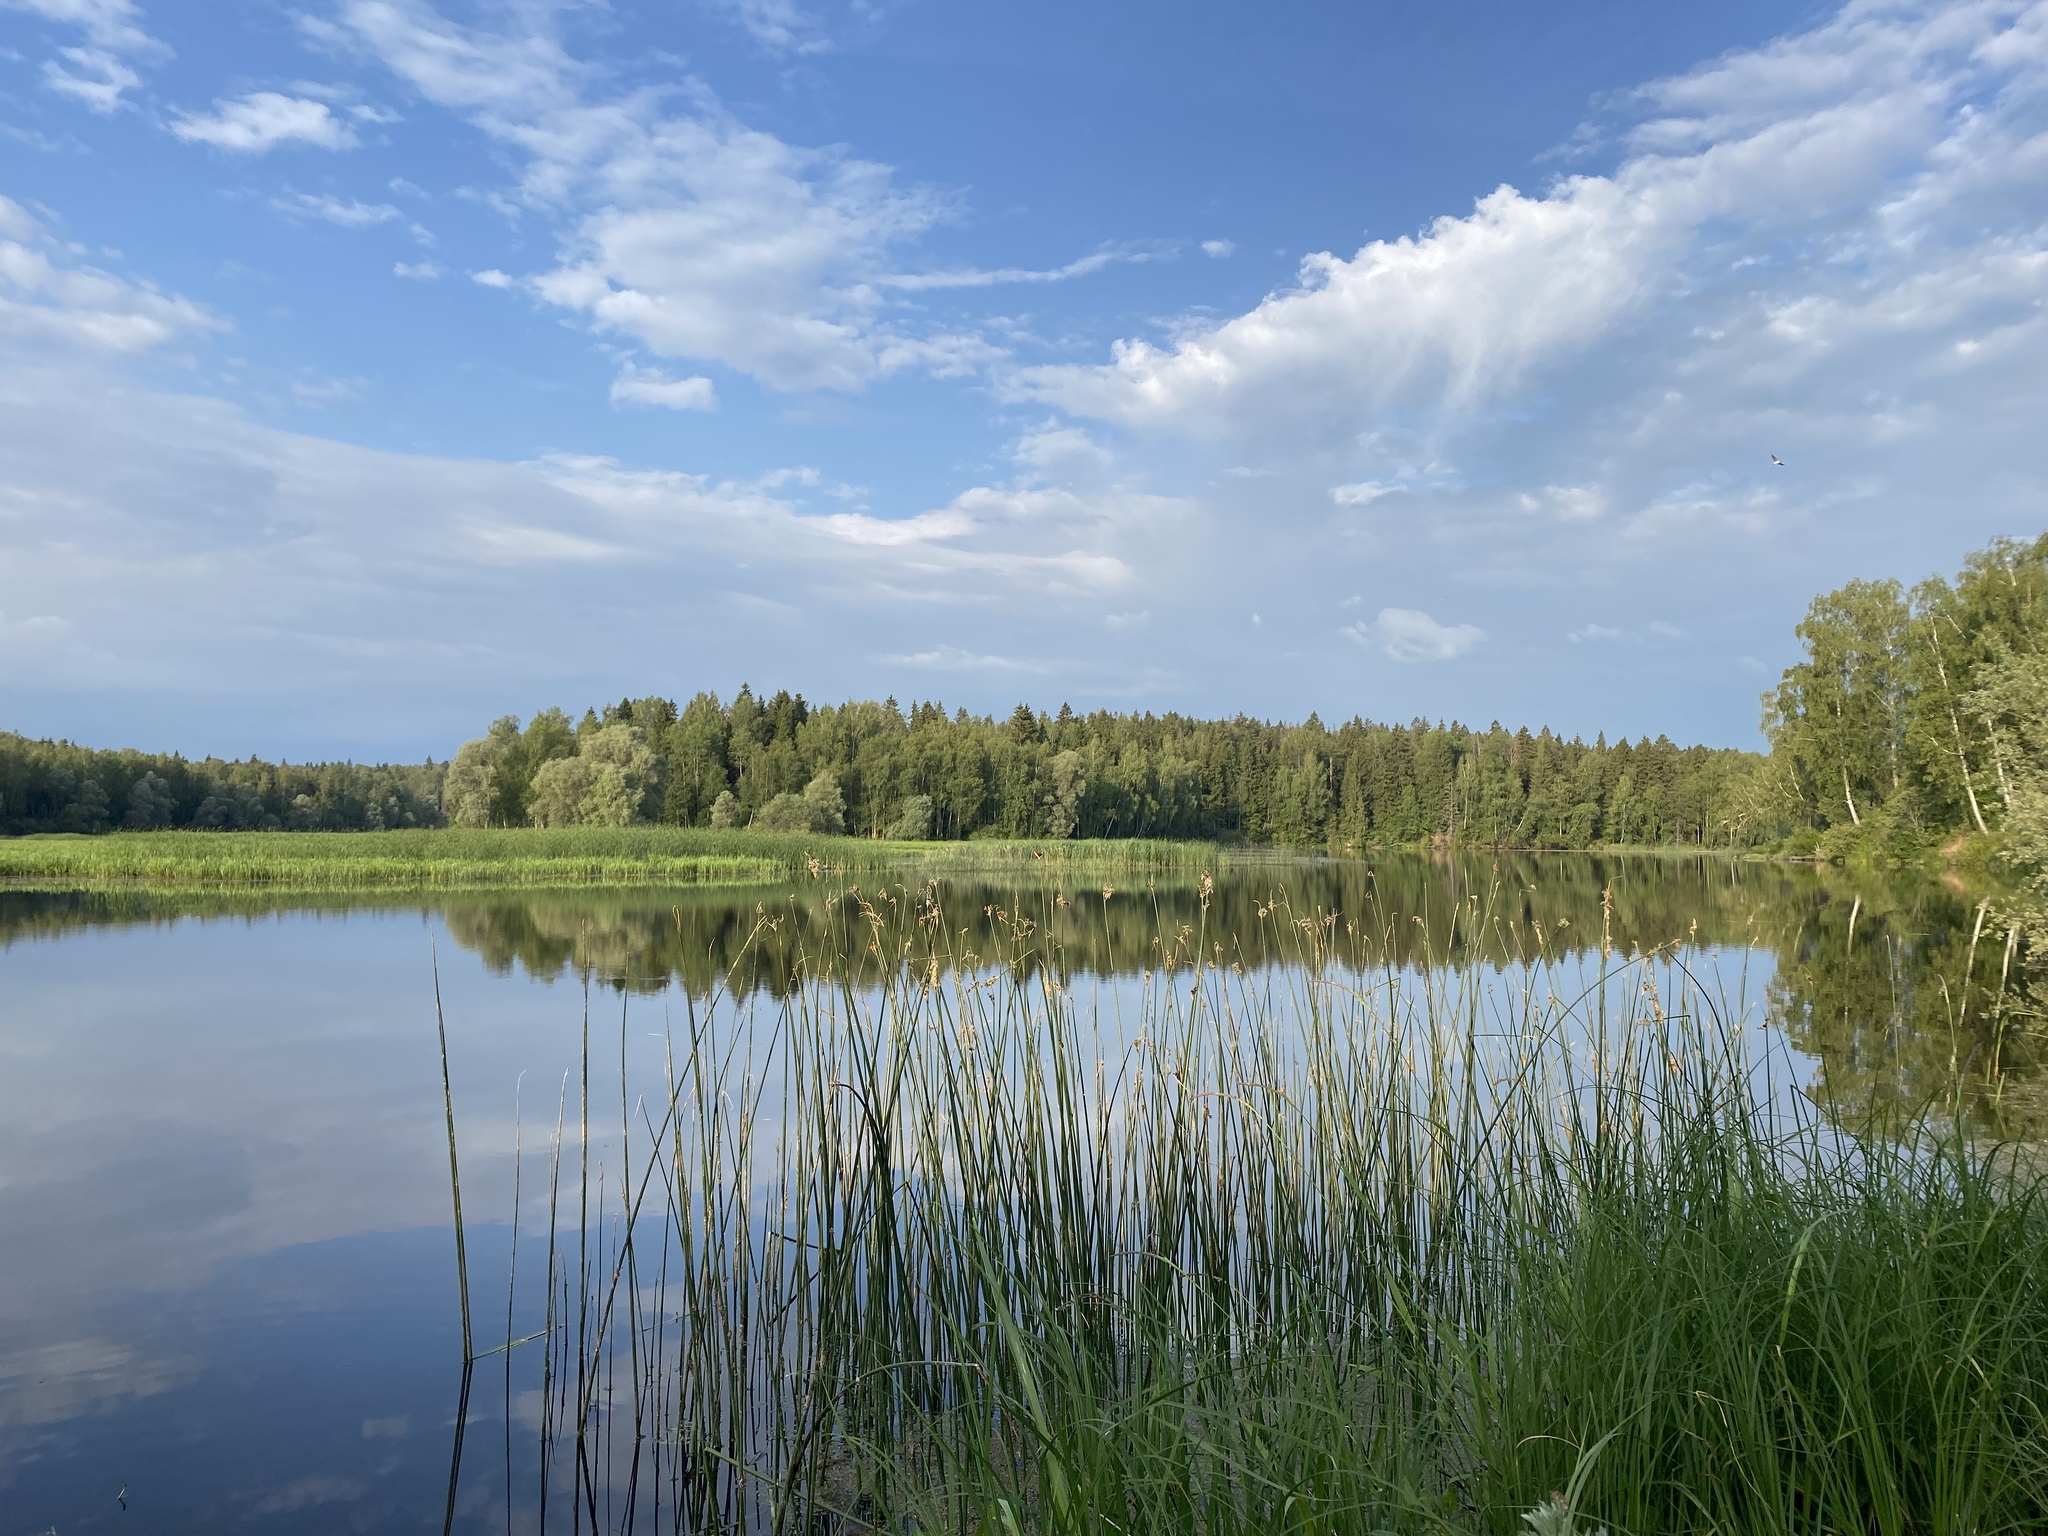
(611, 781)
(54, 786)
(1902, 724)
(913, 823)
(875, 771)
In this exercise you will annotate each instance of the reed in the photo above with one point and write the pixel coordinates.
(943, 1241)
(455, 858)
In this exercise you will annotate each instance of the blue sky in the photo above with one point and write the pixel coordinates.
(372, 367)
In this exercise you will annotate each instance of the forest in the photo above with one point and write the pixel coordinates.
(1912, 715)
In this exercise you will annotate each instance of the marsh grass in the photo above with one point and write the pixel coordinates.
(946, 1242)
(457, 858)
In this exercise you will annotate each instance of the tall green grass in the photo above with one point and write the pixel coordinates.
(969, 1248)
(376, 860)
(474, 859)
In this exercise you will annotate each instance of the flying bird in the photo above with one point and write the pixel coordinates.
(1777, 461)
(121, 1498)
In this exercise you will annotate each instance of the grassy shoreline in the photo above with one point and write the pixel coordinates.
(1267, 1256)
(460, 859)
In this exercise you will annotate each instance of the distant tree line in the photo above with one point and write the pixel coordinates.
(53, 786)
(881, 770)
(1911, 716)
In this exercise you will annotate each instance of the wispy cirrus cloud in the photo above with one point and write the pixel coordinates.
(679, 227)
(326, 207)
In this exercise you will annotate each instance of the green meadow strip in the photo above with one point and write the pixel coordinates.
(575, 856)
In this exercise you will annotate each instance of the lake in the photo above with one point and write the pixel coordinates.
(227, 1272)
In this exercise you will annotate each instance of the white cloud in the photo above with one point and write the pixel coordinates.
(1834, 249)
(1066, 454)
(47, 300)
(1218, 248)
(90, 75)
(263, 120)
(952, 658)
(326, 391)
(334, 210)
(115, 24)
(1568, 503)
(1593, 632)
(319, 558)
(419, 272)
(977, 277)
(1362, 494)
(778, 25)
(1853, 143)
(99, 73)
(679, 227)
(859, 528)
(649, 386)
(1408, 634)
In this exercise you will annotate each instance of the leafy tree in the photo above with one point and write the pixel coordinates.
(235, 808)
(608, 783)
(150, 804)
(1069, 785)
(827, 804)
(786, 813)
(1840, 714)
(472, 790)
(913, 823)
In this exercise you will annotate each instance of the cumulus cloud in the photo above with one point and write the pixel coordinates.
(650, 386)
(1834, 249)
(1218, 248)
(1865, 141)
(263, 120)
(416, 271)
(1408, 634)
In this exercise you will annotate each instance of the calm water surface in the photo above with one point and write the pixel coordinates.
(226, 1259)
